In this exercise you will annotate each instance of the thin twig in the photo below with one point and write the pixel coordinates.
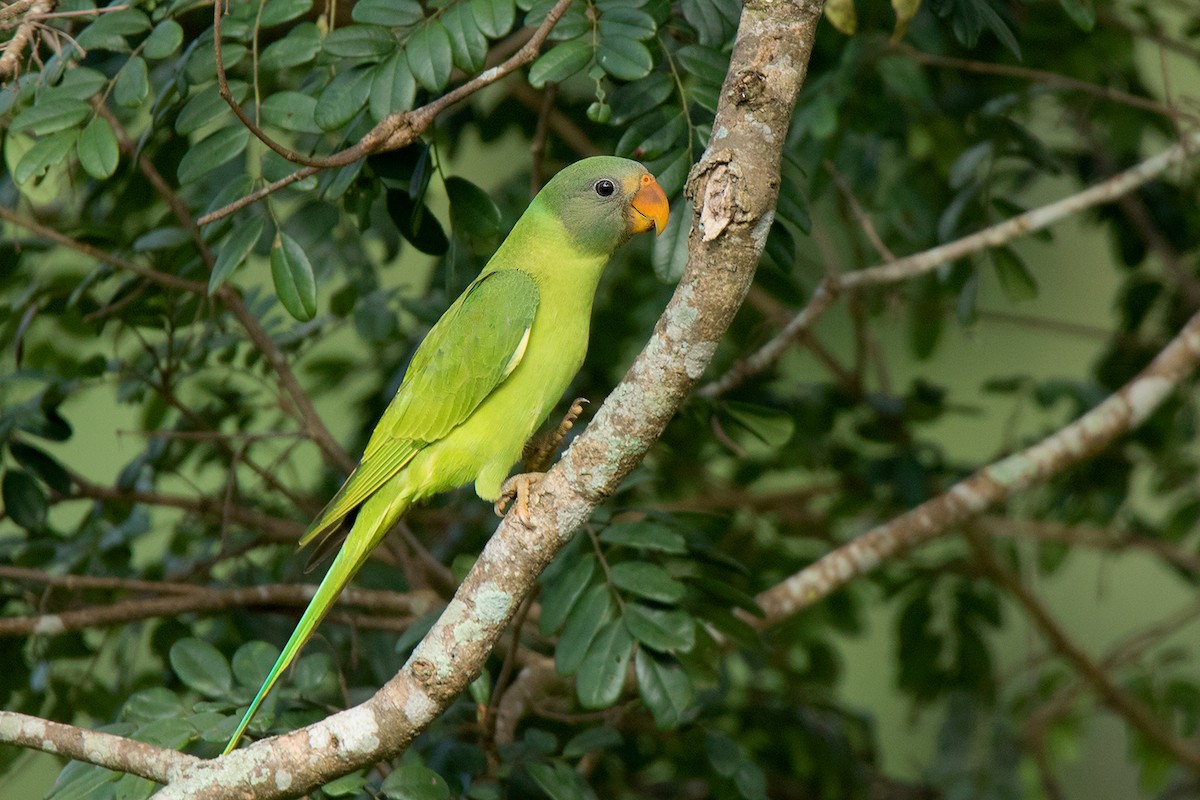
(209, 600)
(396, 130)
(928, 260)
(1113, 695)
(1045, 77)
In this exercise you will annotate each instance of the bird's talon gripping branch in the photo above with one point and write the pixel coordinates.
(539, 450)
(518, 487)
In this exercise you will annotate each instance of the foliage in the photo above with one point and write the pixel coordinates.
(210, 343)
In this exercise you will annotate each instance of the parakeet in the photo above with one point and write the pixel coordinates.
(490, 370)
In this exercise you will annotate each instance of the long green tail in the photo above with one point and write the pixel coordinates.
(374, 519)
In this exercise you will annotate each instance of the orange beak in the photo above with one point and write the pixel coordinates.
(649, 207)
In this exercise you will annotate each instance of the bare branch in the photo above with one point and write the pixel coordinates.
(1098, 428)
(209, 600)
(103, 749)
(920, 263)
(1045, 77)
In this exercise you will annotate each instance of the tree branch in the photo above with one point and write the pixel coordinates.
(103, 749)
(734, 189)
(204, 600)
(1113, 696)
(10, 62)
(1098, 428)
(920, 263)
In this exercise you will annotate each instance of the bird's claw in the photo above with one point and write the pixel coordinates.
(517, 488)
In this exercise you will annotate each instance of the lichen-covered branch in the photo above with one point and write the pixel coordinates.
(1098, 428)
(103, 749)
(734, 188)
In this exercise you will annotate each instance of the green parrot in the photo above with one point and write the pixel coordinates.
(488, 373)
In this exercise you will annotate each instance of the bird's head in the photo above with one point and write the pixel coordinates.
(604, 200)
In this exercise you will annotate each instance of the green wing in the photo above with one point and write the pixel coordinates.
(476, 344)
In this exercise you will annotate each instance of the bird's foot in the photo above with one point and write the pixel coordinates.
(540, 449)
(517, 488)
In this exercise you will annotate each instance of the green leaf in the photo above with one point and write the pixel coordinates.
(359, 41)
(163, 41)
(583, 623)
(602, 674)
(276, 12)
(50, 116)
(1081, 12)
(252, 662)
(212, 152)
(1016, 280)
(41, 464)
(631, 23)
(292, 274)
(299, 47)
(647, 580)
(345, 786)
(710, 20)
(591, 740)
(670, 253)
(292, 111)
(429, 55)
(108, 31)
(172, 733)
(343, 98)
(653, 135)
(417, 223)
(473, 214)
(646, 534)
(24, 500)
(631, 100)
(660, 630)
(207, 106)
(558, 781)
(414, 782)
(162, 239)
(234, 251)
(45, 153)
(624, 58)
(202, 667)
(157, 702)
(706, 64)
(560, 596)
(393, 87)
(81, 83)
(97, 149)
(132, 85)
(771, 426)
(494, 17)
(468, 45)
(80, 781)
(392, 13)
(560, 63)
(665, 689)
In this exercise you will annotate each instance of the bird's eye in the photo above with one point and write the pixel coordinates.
(605, 188)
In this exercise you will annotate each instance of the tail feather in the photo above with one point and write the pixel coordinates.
(374, 520)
